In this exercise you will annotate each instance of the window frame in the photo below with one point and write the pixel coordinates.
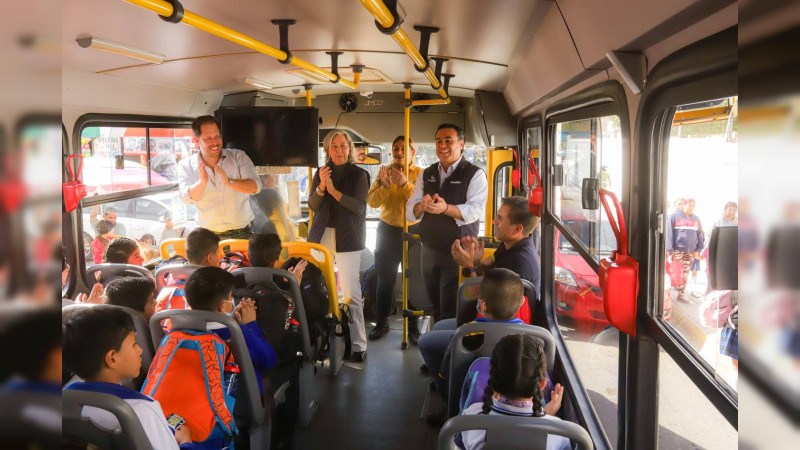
(702, 71)
(118, 120)
(604, 99)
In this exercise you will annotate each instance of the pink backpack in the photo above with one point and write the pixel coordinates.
(717, 307)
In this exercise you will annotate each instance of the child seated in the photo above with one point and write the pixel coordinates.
(123, 250)
(264, 250)
(99, 345)
(211, 289)
(137, 293)
(517, 378)
(202, 249)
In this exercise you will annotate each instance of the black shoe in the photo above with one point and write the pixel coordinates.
(424, 369)
(437, 418)
(380, 330)
(358, 356)
(413, 330)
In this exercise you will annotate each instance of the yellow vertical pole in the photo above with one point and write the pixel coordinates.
(310, 170)
(406, 135)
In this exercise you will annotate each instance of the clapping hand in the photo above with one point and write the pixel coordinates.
(398, 177)
(467, 251)
(324, 177)
(383, 176)
(245, 311)
(95, 296)
(298, 270)
(435, 205)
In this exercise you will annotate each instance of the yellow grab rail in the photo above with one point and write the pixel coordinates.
(165, 9)
(386, 20)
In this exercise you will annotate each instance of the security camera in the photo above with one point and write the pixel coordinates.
(367, 94)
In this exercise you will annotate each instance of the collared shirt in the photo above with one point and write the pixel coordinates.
(220, 208)
(392, 201)
(477, 193)
(521, 259)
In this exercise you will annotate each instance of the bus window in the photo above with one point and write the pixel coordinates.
(687, 419)
(589, 148)
(115, 158)
(702, 193)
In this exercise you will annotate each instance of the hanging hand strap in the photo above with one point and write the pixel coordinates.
(619, 230)
(69, 166)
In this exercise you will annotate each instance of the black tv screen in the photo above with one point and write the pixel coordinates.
(272, 135)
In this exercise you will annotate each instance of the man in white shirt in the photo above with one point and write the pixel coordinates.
(218, 182)
(449, 202)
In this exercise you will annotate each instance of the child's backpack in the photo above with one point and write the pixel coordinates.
(477, 379)
(172, 297)
(233, 260)
(174, 259)
(315, 300)
(275, 314)
(369, 292)
(193, 376)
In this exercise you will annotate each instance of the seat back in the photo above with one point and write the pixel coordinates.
(461, 357)
(172, 247)
(130, 435)
(470, 290)
(233, 245)
(178, 272)
(267, 275)
(514, 433)
(142, 337)
(20, 428)
(111, 271)
(248, 397)
(318, 255)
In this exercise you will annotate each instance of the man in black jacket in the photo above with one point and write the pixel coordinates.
(449, 202)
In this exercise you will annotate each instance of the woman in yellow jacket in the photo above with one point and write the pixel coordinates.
(390, 192)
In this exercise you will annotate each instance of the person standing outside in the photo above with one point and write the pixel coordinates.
(390, 192)
(339, 200)
(218, 182)
(110, 215)
(449, 203)
(684, 240)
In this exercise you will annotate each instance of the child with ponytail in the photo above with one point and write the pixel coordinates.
(516, 380)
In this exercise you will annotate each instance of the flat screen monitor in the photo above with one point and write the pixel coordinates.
(272, 135)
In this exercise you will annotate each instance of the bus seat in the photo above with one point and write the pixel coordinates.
(178, 272)
(111, 271)
(492, 333)
(514, 433)
(142, 337)
(233, 245)
(308, 391)
(130, 434)
(469, 291)
(318, 255)
(248, 399)
(172, 247)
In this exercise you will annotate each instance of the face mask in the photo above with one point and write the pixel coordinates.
(478, 306)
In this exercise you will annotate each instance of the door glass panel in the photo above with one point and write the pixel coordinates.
(702, 193)
(686, 418)
(590, 148)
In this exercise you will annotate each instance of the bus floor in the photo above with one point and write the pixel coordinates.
(372, 405)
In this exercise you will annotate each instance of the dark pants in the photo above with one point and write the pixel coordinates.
(440, 272)
(388, 255)
(240, 233)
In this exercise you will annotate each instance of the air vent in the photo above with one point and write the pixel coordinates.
(369, 75)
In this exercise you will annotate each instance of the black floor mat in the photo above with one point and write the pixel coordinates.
(372, 405)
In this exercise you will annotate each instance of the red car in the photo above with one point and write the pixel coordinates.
(578, 297)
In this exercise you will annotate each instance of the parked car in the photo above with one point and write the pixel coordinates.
(143, 215)
(101, 175)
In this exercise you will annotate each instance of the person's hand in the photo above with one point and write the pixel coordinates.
(201, 171)
(437, 205)
(696, 255)
(324, 177)
(556, 396)
(222, 175)
(245, 312)
(398, 177)
(383, 177)
(473, 249)
(95, 296)
(183, 435)
(298, 270)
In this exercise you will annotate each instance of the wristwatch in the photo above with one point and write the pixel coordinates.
(320, 192)
(467, 272)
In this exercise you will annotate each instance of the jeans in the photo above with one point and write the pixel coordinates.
(433, 346)
(388, 255)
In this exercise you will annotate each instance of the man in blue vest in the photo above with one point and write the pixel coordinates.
(449, 199)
